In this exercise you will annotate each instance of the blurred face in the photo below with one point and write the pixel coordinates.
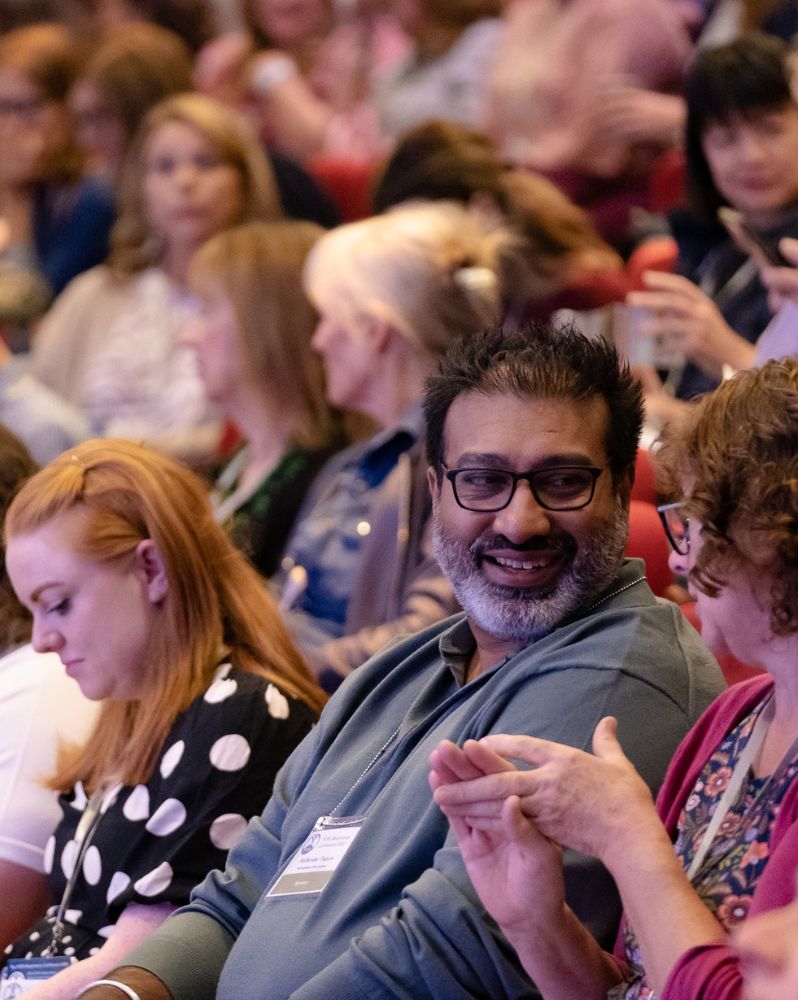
(100, 133)
(768, 946)
(289, 22)
(754, 162)
(349, 362)
(213, 337)
(737, 621)
(190, 192)
(520, 571)
(98, 617)
(32, 129)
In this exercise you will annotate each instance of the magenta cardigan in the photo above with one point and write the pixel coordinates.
(712, 972)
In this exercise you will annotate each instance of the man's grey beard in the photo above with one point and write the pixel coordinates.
(525, 614)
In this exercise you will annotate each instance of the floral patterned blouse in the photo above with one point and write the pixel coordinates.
(731, 869)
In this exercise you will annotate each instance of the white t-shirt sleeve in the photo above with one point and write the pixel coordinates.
(39, 708)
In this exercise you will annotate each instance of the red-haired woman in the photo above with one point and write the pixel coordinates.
(115, 551)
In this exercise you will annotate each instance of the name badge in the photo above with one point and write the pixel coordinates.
(312, 867)
(22, 974)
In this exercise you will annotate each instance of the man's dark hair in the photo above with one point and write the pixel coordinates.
(747, 78)
(542, 362)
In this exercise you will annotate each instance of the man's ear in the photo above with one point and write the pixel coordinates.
(151, 570)
(625, 484)
(432, 482)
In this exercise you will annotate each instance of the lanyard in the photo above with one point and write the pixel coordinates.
(87, 827)
(744, 761)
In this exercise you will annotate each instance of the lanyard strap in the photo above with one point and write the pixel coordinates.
(87, 827)
(744, 762)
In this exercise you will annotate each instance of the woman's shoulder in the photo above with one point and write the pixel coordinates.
(243, 700)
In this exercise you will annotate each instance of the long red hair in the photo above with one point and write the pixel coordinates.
(216, 603)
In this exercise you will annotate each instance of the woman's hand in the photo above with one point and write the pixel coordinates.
(782, 282)
(591, 803)
(691, 322)
(515, 869)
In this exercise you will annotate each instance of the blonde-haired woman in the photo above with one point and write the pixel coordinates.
(109, 344)
(393, 292)
(115, 551)
(252, 342)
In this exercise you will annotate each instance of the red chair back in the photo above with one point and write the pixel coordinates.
(647, 541)
(644, 486)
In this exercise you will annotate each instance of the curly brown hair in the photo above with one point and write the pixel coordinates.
(738, 448)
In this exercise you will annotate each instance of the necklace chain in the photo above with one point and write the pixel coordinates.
(368, 767)
(620, 590)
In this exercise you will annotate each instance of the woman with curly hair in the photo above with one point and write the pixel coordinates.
(721, 841)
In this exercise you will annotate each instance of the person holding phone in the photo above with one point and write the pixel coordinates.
(742, 153)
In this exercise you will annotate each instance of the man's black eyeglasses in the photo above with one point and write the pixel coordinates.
(486, 491)
(677, 527)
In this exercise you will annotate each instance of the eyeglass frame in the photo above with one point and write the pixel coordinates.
(451, 475)
(662, 510)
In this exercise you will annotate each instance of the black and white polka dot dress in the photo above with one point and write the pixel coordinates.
(157, 841)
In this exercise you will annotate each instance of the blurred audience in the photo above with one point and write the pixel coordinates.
(352, 90)
(192, 20)
(742, 151)
(58, 218)
(110, 342)
(252, 341)
(557, 246)
(586, 90)
(140, 65)
(393, 292)
(40, 707)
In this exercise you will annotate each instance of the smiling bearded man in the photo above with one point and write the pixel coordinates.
(352, 875)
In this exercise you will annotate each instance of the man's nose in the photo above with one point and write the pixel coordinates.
(523, 517)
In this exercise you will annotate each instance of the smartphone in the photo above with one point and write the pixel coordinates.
(749, 240)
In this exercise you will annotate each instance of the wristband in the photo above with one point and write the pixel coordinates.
(109, 982)
(270, 73)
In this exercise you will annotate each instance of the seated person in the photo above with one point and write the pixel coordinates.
(558, 248)
(110, 342)
(585, 90)
(134, 69)
(393, 292)
(140, 65)
(721, 841)
(40, 708)
(443, 75)
(252, 341)
(559, 629)
(742, 151)
(768, 949)
(59, 220)
(115, 552)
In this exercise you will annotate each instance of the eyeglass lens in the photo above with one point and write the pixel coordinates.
(557, 489)
(678, 530)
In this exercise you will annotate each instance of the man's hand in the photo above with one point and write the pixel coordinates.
(517, 872)
(691, 322)
(588, 802)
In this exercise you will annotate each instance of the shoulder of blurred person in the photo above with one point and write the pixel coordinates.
(43, 420)
(75, 329)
